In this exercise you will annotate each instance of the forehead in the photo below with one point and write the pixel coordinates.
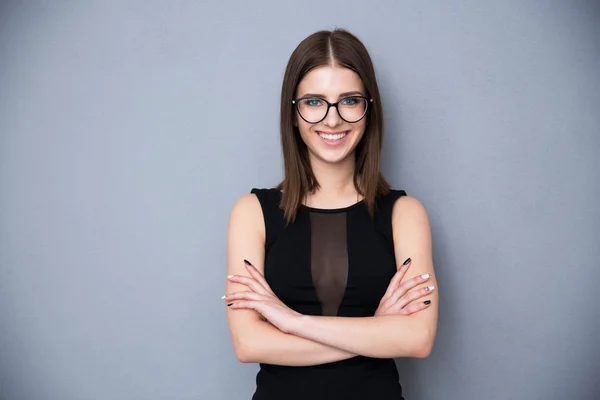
(329, 81)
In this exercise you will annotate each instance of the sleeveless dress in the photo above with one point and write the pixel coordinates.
(332, 262)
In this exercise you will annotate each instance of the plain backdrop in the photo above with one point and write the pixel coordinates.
(129, 128)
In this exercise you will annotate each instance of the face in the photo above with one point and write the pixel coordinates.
(332, 140)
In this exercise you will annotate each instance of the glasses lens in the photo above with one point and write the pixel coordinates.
(352, 109)
(312, 109)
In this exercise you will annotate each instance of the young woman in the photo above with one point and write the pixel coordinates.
(330, 273)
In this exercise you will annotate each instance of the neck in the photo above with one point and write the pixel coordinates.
(335, 180)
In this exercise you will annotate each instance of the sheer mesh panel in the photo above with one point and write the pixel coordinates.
(329, 259)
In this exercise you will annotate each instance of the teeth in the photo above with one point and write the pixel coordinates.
(337, 136)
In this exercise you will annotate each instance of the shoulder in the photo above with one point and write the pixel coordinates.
(255, 209)
(254, 201)
(408, 204)
(246, 211)
(258, 214)
(245, 204)
(408, 212)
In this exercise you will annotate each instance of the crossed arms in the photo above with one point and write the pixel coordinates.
(264, 330)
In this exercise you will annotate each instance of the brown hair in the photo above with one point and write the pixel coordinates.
(337, 47)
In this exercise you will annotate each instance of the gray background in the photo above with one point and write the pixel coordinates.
(129, 128)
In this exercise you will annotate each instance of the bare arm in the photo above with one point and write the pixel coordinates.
(254, 339)
(388, 335)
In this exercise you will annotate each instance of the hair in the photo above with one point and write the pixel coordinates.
(335, 48)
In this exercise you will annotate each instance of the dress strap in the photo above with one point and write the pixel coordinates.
(383, 216)
(269, 200)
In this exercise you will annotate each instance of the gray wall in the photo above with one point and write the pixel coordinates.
(128, 129)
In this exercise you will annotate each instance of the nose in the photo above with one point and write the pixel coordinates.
(332, 119)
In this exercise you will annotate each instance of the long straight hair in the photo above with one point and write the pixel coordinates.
(337, 47)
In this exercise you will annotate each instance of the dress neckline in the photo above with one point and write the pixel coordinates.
(327, 210)
(333, 210)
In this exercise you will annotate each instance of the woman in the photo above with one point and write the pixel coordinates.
(318, 290)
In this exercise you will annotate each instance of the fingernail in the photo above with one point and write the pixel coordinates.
(223, 298)
(425, 276)
(430, 288)
(247, 263)
(229, 305)
(427, 302)
(230, 276)
(407, 261)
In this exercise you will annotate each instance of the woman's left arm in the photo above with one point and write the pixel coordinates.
(388, 335)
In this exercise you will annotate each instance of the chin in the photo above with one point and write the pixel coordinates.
(329, 159)
(332, 155)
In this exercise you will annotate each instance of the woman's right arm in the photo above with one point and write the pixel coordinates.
(254, 339)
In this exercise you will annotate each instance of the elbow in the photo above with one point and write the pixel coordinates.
(420, 347)
(243, 357)
(249, 343)
(424, 346)
(243, 352)
(423, 351)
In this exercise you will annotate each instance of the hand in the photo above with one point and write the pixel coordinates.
(261, 298)
(398, 297)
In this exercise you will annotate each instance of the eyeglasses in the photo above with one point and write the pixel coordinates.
(314, 109)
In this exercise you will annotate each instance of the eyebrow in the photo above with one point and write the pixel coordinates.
(345, 94)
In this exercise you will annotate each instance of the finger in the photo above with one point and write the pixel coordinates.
(416, 307)
(413, 295)
(246, 304)
(248, 281)
(396, 280)
(258, 276)
(406, 286)
(246, 295)
(387, 300)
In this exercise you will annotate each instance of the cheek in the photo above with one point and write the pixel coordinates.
(360, 128)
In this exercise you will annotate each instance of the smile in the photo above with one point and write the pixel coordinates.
(333, 137)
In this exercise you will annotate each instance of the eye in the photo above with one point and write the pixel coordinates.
(312, 102)
(350, 101)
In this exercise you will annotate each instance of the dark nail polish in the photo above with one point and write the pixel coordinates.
(247, 263)
(407, 261)
(228, 305)
(427, 302)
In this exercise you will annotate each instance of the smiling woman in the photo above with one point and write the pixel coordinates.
(330, 272)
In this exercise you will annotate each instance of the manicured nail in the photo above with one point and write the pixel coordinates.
(230, 276)
(427, 302)
(407, 261)
(430, 288)
(223, 298)
(229, 305)
(425, 276)
(248, 263)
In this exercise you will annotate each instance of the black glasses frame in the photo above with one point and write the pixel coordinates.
(329, 105)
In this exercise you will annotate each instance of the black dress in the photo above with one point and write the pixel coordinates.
(335, 263)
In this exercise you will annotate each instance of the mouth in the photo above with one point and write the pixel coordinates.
(333, 138)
